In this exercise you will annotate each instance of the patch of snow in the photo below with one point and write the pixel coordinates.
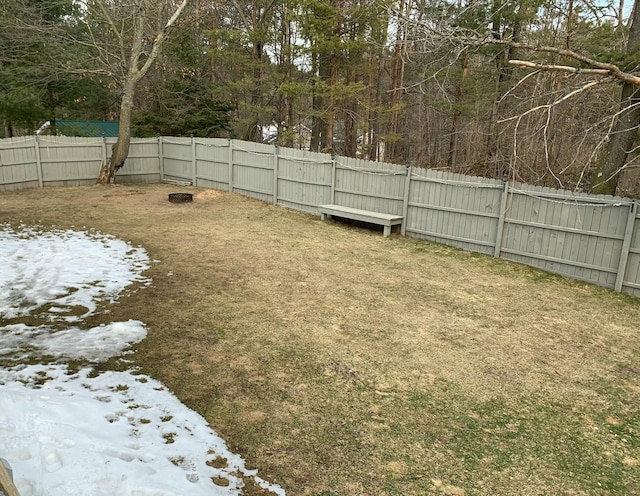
(89, 433)
(63, 268)
(114, 433)
(95, 345)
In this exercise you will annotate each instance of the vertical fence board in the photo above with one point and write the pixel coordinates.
(631, 277)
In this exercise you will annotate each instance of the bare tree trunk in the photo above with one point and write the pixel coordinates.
(569, 25)
(134, 71)
(120, 150)
(620, 14)
(377, 150)
(457, 113)
(331, 111)
(624, 135)
(285, 105)
(213, 46)
(317, 102)
(625, 130)
(397, 82)
(350, 140)
(493, 165)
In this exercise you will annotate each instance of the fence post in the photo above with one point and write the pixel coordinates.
(194, 163)
(405, 202)
(501, 216)
(333, 178)
(626, 245)
(275, 174)
(230, 164)
(161, 158)
(38, 162)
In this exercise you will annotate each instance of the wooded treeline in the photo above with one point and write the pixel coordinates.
(425, 83)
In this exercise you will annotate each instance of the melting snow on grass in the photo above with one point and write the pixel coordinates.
(92, 433)
(62, 273)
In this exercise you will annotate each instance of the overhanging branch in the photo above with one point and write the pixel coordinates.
(610, 69)
(559, 68)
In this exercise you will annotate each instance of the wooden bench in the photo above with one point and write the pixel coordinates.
(386, 220)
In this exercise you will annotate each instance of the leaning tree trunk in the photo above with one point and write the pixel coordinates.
(120, 150)
(625, 129)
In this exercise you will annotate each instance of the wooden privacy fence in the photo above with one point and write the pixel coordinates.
(595, 238)
(32, 161)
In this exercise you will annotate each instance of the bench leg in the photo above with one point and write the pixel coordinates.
(323, 216)
(387, 231)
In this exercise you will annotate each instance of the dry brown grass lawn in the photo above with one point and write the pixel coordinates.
(340, 362)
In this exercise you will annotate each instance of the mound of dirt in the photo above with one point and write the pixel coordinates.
(208, 195)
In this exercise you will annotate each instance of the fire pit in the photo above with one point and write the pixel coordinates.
(180, 197)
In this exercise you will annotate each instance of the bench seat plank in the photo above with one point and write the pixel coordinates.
(386, 220)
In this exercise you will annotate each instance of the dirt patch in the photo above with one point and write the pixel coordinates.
(341, 362)
(209, 194)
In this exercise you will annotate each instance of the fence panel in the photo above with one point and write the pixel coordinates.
(457, 210)
(631, 281)
(374, 186)
(253, 170)
(575, 235)
(70, 161)
(177, 155)
(18, 164)
(212, 161)
(142, 164)
(304, 179)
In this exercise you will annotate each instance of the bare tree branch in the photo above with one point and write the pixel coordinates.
(613, 70)
(559, 68)
(519, 117)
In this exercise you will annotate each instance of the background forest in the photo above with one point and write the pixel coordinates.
(538, 91)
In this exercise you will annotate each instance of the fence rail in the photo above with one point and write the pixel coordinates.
(595, 238)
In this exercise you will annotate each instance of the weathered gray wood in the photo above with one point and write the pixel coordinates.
(454, 209)
(405, 201)
(566, 233)
(38, 161)
(501, 216)
(333, 178)
(304, 179)
(230, 173)
(577, 235)
(275, 175)
(626, 245)
(160, 158)
(386, 220)
(212, 162)
(194, 163)
(367, 185)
